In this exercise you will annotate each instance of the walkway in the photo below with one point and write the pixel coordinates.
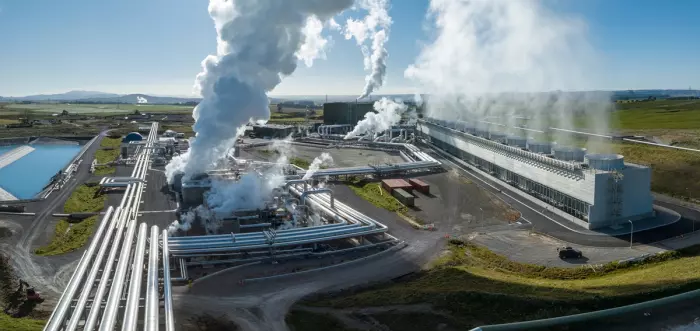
(14, 155)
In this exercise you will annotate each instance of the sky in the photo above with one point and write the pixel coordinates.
(156, 46)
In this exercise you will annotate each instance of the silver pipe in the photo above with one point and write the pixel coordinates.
(167, 294)
(90, 281)
(109, 318)
(318, 191)
(131, 312)
(152, 298)
(62, 307)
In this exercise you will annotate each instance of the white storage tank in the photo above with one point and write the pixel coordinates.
(540, 147)
(605, 162)
(516, 141)
(566, 153)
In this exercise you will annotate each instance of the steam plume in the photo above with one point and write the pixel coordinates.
(388, 114)
(508, 59)
(258, 43)
(140, 99)
(324, 159)
(375, 26)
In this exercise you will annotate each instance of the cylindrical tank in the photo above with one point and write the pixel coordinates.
(605, 162)
(497, 136)
(566, 153)
(539, 147)
(516, 141)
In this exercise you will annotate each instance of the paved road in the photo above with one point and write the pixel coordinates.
(547, 225)
(49, 273)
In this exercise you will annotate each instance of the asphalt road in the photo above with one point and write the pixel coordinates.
(49, 273)
(546, 225)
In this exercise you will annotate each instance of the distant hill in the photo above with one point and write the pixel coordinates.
(68, 96)
(139, 98)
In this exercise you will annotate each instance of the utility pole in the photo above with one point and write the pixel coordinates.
(631, 231)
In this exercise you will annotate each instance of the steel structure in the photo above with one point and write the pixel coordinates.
(105, 291)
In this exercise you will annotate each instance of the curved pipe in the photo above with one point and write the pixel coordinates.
(297, 181)
(318, 191)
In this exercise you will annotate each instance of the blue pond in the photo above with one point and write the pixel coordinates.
(27, 176)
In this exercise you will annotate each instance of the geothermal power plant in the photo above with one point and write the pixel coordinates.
(593, 190)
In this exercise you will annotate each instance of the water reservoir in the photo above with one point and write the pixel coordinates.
(27, 176)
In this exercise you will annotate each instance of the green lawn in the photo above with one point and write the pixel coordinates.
(111, 142)
(378, 196)
(477, 286)
(85, 199)
(20, 324)
(299, 162)
(69, 237)
(659, 114)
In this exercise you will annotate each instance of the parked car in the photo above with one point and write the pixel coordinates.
(569, 252)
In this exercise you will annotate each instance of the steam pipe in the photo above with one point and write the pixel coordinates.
(152, 297)
(167, 291)
(87, 286)
(134, 292)
(318, 191)
(110, 312)
(62, 307)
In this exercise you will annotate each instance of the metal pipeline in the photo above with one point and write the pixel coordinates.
(134, 292)
(167, 291)
(318, 191)
(152, 297)
(62, 307)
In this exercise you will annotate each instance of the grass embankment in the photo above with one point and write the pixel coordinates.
(108, 152)
(299, 162)
(476, 286)
(71, 236)
(375, 194)
(298, 320)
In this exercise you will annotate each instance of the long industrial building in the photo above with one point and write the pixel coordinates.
(595, 190)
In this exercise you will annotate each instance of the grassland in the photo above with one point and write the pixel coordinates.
(71, 236)
(660, 114)
(93, 108)
(85, 199)
(109, 152)
(475, 286)
(68, 237)
(378, 196)
(299, 162)
(20, 324)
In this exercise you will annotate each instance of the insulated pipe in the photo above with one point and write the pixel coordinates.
(152, 298)
(167, 294)
(109, 318)
(318, 191)
(62, 307)
(131, 312)
(297, 181)
(90, 281)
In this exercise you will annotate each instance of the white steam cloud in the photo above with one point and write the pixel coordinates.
(388, 114)
(324, 159)
(506, 60)
(258, 43)
(375, 27)
(140, 99)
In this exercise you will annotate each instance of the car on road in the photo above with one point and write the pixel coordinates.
(569, 252)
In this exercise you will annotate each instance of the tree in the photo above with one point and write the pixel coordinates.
(279, 107)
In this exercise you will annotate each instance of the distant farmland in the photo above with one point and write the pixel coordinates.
(93, 108)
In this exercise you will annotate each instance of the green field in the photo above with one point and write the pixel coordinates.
(659, 114)
(71, 236)
(92, 108)
(475, 286)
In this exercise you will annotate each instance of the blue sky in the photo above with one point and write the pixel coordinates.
(156, 46)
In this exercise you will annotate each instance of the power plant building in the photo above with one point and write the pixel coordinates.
(345, 112)
(593, 190)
